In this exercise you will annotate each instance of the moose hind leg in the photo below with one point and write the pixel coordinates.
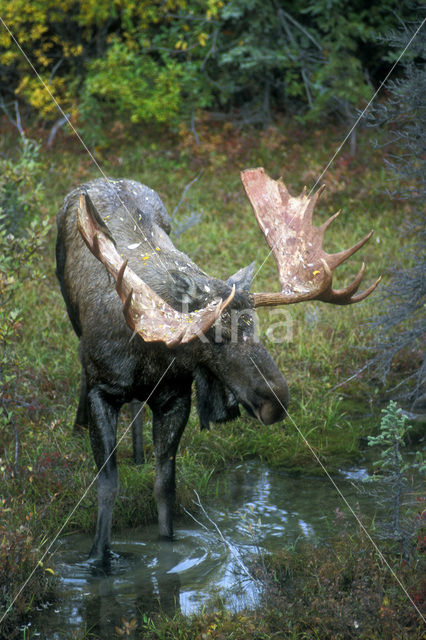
(138, 412)
(103, 423)
(168, 427)
(81, 422)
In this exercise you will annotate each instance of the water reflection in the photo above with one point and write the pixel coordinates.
(283, 506)
(254, 509)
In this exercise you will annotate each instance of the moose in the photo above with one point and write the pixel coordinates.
(146, 316)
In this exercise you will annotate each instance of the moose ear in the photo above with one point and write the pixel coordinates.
(185, 289)
(242, 278)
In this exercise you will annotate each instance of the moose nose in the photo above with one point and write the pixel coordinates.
(275, 409)
(271, 412)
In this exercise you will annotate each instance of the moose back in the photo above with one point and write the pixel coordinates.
(147, 316)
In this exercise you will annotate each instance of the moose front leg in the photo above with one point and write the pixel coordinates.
(168, 425)
(103, 414)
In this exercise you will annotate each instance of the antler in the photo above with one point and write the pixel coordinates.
(145, 311)
(305, 269)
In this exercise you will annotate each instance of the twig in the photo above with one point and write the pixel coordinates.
(54, 130)
(182, 198)
(18, 119)
(302, 29)
(194, 131)
(54, 70)
(16, 123)
(212, 49)
(355, 375)
(283, 15)
(222, 538)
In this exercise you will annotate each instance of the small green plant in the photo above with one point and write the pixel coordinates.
(393, 471)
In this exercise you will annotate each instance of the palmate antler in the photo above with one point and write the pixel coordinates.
(305, 269)
(145, 311)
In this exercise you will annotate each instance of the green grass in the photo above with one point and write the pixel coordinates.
(323, 349)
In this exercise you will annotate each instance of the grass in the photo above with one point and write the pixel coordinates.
(322, 349)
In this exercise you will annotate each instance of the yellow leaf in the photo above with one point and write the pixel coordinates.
(202, 39)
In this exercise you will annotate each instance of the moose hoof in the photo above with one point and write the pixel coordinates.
(102, 558)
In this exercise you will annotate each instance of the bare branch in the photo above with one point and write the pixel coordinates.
(54, 130)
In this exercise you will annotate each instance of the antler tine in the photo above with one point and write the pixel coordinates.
(305, 270)
(312, 201)
(119, 283)
(352, 288)
(364, 293)
(343, 296)
(335, 259)
(323, 228)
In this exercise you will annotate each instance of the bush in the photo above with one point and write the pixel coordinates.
(131, 86)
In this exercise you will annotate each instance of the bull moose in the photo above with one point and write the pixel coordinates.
(159, 334)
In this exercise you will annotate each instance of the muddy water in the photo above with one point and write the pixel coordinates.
(252, 509)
